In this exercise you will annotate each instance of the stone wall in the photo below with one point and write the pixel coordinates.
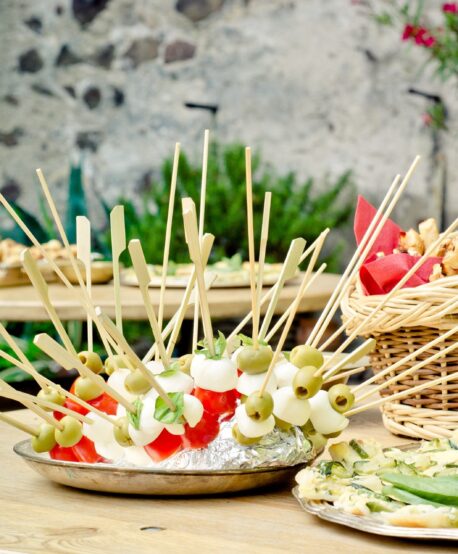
(315, 85)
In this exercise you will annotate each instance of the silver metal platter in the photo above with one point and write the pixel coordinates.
(149, 481)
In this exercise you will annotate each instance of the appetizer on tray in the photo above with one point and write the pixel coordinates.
(232, 403)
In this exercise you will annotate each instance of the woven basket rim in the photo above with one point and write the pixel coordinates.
(429, 305)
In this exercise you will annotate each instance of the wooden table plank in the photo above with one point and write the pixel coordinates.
(22, 303)
(41, 517)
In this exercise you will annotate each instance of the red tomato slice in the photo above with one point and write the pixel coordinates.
(164, 446)
(84, 451)
(203, 433)
(105, 403)
(63, 453)
(218, 403)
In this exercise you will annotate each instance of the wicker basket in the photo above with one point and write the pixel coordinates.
(411, 318)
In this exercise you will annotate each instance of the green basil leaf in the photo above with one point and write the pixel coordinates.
(164, 414)
(134, 417)
(168, 373)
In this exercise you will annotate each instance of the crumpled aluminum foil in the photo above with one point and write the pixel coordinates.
(278, 448)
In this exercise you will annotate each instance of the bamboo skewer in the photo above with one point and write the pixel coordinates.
(262, 253)
(19, 425)
(118, 245)
(173, 327)
(203, 198)
(83, 253)
(307, 276)
(143, 277)
(192, 239)
(10, 392)
(55, 351)
(361, 253)
(402, 394)
(273, 331)
(207, 243)
(292, 313)
(292, 260)
(388, 296)
(41, 287)
(168, 234)
(287, 272)
(82, 292)
(345, 374)
(407, 358)
(362, 350)
(251, 253)
(336, 334)
(357, 259)
(408, 371)
(119, 338)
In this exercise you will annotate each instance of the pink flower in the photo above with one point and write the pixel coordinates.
(421, 35)
(450, 7)
(409, 31)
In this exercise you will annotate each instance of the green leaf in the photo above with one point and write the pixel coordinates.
(164, 414)
(169, 372)
(134, 417)
(248, 341)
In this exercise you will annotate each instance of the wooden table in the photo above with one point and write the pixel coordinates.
(40, 517)
(23, 304)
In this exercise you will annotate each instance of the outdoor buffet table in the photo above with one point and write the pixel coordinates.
(40, 517)
(23, 304)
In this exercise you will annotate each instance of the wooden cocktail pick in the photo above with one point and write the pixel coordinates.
(118, 245)
(83, 253)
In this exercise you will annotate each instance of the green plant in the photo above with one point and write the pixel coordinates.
(297, 211)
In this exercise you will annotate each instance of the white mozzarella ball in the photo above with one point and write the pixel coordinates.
(110, 450)
(216, 375)
(176, 382)
(247, 384)
(149, 428)
(251, 428)
(193, 410)
(155, 366)
(175, 428)
(324, 418)
(100, 430)
(197, 363)
(116, 382)
(289, 408)
(284, 372)
(137, 456)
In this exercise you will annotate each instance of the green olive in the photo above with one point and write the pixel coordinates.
(86, 389)
(253, 360)
(318, 440)
(304, 355)
(71, 433)
(137, 383)
(45, 440)
(121, 432)
(341, 398)
(51, 395)
(245, 441)
(259, 407)
(91, 360)
(305, 384)
(114, 362)
(185, 363)
(283, 425)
